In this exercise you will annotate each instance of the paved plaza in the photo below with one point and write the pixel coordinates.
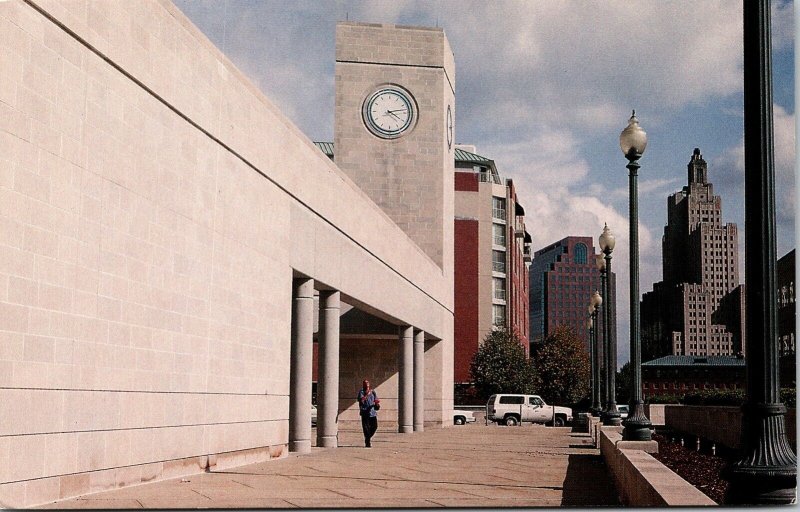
(467, 466)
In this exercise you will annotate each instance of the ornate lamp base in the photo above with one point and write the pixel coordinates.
(611, 418)
(766, 474)
(637, 425)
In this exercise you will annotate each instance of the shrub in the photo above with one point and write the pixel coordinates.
(734, 397)
(663, 399)
(715, 397)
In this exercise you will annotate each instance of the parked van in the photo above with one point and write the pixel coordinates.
(513, 409)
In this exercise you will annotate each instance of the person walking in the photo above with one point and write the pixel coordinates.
(368, 404)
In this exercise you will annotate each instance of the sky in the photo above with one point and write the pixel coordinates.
(544, 88)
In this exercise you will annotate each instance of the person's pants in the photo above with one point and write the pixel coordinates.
(369, 425)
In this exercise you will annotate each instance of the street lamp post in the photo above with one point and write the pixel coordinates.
(594, 307)
(600, 339)
(590, 326)
(633, 141)
(767, 471)
(610, 415)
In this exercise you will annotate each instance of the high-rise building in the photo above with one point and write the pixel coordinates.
(492, 253)
(698, 307)
(563, 277)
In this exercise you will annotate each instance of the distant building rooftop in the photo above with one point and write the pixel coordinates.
(696, 361)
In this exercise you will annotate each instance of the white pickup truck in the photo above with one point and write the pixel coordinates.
(514, 409)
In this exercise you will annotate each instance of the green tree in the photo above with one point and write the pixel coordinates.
(500, 365)
(562, 367)
(624, 384)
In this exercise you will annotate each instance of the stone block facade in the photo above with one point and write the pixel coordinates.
(154, 210)
(405, 175)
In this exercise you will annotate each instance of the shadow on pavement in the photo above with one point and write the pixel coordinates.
(587, 483)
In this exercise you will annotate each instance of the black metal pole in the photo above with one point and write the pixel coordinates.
(602, 348)
(637, 425)
(767, 471)
(591, 362)
(611, 414)
(595, 364)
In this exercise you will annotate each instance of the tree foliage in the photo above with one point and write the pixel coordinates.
(501, 366)
(563, 368)
(624, 384)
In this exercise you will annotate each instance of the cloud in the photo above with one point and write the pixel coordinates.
(555, 210)
(732, 167)
(543, 88)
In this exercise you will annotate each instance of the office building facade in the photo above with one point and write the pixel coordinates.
(698, 307)
(563, 277)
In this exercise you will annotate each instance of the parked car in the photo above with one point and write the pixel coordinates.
(623, 411)
(313, 415)
(511, 409)
(460, 417)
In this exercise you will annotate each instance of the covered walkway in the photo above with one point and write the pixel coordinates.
(466, 466)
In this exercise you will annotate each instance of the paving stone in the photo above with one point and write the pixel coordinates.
(475, 466)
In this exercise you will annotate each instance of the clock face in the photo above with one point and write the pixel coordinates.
(449, 127)
(389, 112)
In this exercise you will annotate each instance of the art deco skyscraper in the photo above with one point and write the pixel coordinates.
(698, 307)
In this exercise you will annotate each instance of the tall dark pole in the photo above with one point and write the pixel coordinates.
(610, 414)
(595, 364)
(592, 357)
(637, 426)
(601, 344)
(767, 471)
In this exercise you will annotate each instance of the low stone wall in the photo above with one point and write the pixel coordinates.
(655, 413)
(641, 480)
(719, 424)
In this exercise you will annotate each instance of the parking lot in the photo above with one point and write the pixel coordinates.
(462, 466)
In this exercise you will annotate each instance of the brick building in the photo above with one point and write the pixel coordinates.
(563, 277)
(492, 253)
(698, 307)
(678, 375)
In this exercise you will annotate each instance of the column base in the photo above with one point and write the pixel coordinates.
(419, 428)
(300, 446)
(405, 429)
(328, 442)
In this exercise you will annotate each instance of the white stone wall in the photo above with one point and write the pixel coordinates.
(153, 207)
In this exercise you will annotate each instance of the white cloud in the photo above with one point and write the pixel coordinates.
(732, 181)
(555, 211)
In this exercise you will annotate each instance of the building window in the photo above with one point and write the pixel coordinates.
(499, 234)
(499, 261)
(499, 208)
(499, 315)
(499, 288)
(580, 254)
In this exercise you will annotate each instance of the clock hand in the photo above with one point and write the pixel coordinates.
(390, 112)
(398, 110)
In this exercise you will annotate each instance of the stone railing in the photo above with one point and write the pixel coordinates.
(640, 479)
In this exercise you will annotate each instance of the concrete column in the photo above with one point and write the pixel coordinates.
(419, 381)
(405, 407)
(328, 387)
(301, 365)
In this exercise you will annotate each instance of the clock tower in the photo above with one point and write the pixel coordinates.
(393, 135)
